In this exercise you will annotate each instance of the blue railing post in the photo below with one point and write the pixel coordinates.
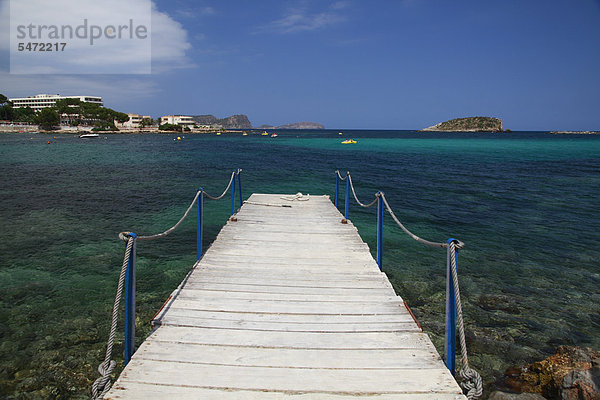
(379, 230)
(450, 337)
(337, 188)
(130, 304)
(233, 196)
(347, 194)
(239, 174)
(199, 224)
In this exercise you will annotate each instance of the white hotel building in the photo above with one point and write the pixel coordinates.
(177, 120)
(40, 101)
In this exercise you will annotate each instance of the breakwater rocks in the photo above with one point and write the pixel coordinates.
(469, 124)
(573, 373)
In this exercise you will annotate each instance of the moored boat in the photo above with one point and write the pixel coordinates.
(349, 141)
(89, 135)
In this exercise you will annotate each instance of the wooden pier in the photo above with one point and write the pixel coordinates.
(287, 303)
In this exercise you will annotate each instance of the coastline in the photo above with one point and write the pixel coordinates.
(574, 133)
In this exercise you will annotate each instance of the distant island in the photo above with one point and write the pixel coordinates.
(469, 124)
(574, 133)
(296, 125)
(241, 121)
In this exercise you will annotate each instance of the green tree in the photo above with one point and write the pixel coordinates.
(48, 119)
(7, 113)
(24, 114)
(119, 116)
(3, 99)
(170, 127)
(146, 122)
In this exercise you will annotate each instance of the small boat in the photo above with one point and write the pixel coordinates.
(245, 134)
(218, 133)
(349, 141)
(89, 135)
(340, 133)
(274, 135)
(265, 133)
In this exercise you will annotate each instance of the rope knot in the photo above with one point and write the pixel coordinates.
(458, 244)
(102, 385)
(471, 383)
(124, 236)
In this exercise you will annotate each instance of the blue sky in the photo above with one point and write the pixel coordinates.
(402, 64)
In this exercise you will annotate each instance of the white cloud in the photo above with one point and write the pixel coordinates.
(169, 43)
(165, 48)
(301, 20)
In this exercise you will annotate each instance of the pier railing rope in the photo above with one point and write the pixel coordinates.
(102, 385)
(471, 380)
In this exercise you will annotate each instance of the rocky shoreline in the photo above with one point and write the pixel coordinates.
(574, 133)
(572, 373)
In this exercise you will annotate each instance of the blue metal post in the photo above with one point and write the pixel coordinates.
(130, 304)
(337, 188)
(233, 197)
(199, 225)
(450, 337)
(379, 231)
(239, 174)
(347, 194)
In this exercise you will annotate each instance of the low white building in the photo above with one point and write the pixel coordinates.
(40, 101)
(135, 121)
(177, 120)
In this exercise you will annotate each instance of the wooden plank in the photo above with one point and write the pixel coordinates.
(152, 391)
(257, 288)
(289, 380)
(307, 281)
(186, 321)
(291, 307)
(293, 340)
(260, 269)
(351, 296)
(296, 358)
(288, 317)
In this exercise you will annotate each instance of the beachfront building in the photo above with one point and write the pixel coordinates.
(135, 121)
(40, 101)
(177, 120)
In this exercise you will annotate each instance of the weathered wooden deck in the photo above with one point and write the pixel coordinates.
(286, 303)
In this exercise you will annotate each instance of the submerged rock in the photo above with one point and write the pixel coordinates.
(573, 373)
(515, 396)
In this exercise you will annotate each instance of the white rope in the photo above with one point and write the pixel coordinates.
(471, 380)
(297, 197)
(340, 176)
(233, 174)
(460, 245)
(267, 204)
(123, 235)
(356, 198)
(102, 385)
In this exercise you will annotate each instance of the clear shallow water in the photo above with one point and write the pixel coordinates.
(525, 204)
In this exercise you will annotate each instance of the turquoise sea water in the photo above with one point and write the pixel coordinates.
(526, 205)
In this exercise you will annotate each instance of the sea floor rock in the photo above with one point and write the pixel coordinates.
(573, 373)
(515, 396)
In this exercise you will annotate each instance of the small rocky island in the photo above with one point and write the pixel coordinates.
(469, 124)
